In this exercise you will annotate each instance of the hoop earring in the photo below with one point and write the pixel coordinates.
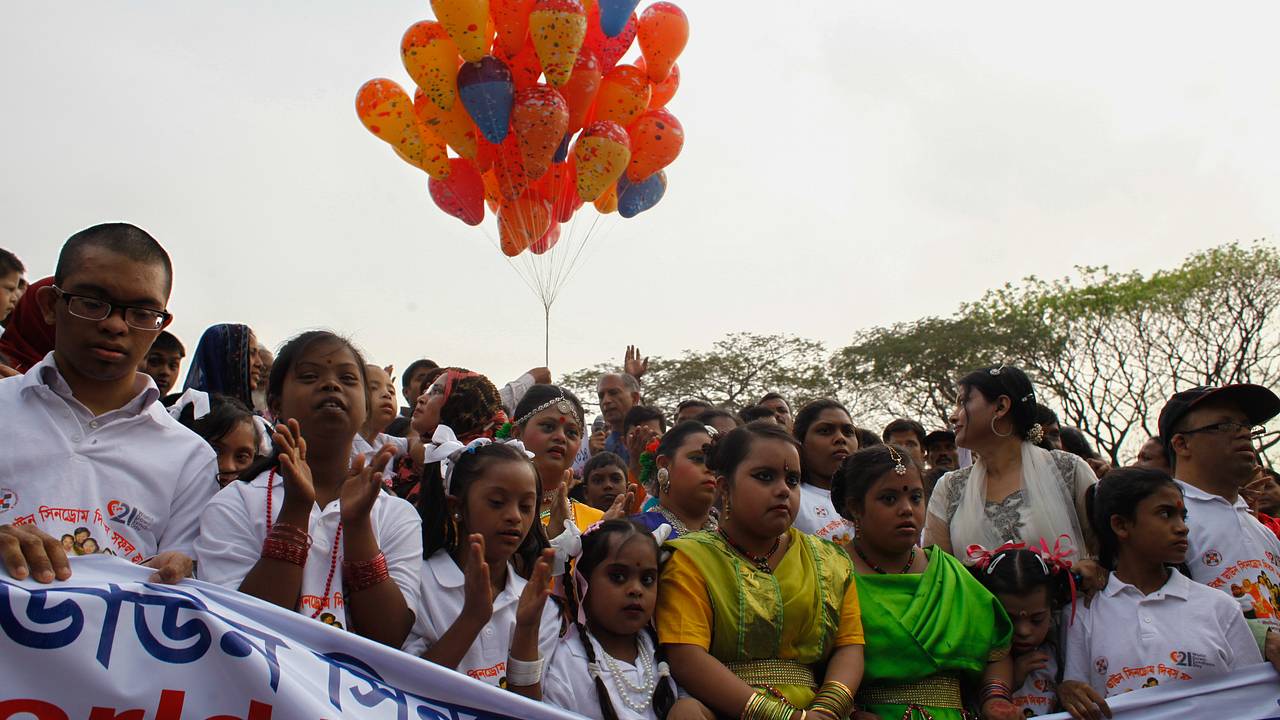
(664, 481)
(997, 433)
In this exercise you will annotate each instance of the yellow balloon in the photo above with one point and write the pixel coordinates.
(558, 28)
(453, 125)
(432, 61)
(467, 22)
(425, 151)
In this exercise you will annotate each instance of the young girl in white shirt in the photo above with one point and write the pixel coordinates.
(1031, 585)
(608, 667)
(486, 572)
(307, 529)
(1151, 625)
(827, 436)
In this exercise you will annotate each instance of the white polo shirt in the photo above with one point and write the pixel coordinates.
(1230, 550)
(568, 684)
(1184, 631)
(1039, 692)
(817, 516)
(442, 597)
(131, 482)
(235, 524)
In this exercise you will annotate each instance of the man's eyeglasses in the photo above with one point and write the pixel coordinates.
(92, 308)
(1227, 428)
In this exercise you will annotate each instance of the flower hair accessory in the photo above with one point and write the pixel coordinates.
(445, 448)
(1036, 434)
(986, 560)
(648, 462)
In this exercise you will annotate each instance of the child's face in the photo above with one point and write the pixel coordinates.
(9, 293)
(236, 451)
(623, 589)
(691, 483)
(501, 505)
(893, 511)
(162, 366)
(1031, 618)
(1269, 500)
(765, 493)
(553, 437)
(324, 391)
(1158, 529)
(604, 485)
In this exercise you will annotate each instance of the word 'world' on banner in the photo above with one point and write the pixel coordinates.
(107, 645)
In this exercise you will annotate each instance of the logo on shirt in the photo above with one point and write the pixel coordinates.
(1189, 659)
(1101, 665)
(129, 516)
(820, 511)
(1213, 558)
(8, 499)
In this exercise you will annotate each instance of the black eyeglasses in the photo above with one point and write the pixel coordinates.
(1228, 428)
(92, 308)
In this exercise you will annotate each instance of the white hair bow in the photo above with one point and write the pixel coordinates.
(199, 399)
(445, 448)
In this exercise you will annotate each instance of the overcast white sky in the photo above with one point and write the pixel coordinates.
(845, 165)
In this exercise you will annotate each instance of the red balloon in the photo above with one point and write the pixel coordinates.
(665, 90)
(548, 240)
(580, 91)
(462, 193)
(609, 50)
(560, 187)
(508, 168)
(511, 20)
(524, 65)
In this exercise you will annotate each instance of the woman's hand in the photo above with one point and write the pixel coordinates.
(1093, 578)
(299, 490)
(536, 591)
(361, 488)
(1024, 665)
(477, 590)
(1082, 701)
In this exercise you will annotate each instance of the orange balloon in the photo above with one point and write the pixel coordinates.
(624, 94)
(559, 187)
(664, 31)
(509, 168)
(423, 150)
(601, 155)
(539, 120)
(662, 92)
(521, 222)
(608, 201)
(511, 21)
(492, 195)
(557, 28)
(580, 91)
(656, 140)
(432, 61)
(386, 110)
(467, 22)
(454, 125)
(547, 241)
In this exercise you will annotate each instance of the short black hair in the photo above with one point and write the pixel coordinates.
(9, 263)
(710, 415)
(772, 396)
(757, 412)
(902, 425)
(692, 402)
(414, 367)
(642, 414)
(168, 342)
(1074, 442)
(124, 239)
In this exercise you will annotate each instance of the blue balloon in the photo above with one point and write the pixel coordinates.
(614, 15)
(562, 152)
(636, 197)
(488, 94)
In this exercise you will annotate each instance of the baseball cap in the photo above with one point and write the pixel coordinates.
(1258, 404)
(939, 436)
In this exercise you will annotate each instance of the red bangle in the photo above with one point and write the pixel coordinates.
(360, 575)
(284, 550)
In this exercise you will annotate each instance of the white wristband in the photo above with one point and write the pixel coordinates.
(523, 673)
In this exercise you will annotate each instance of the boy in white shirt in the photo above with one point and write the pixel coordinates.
(89, 461)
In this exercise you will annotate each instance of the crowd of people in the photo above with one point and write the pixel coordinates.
(760, 565)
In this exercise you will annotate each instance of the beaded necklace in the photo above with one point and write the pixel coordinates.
(760, 561)
(333, 559)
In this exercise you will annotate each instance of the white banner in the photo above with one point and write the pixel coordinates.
(1249, 694)
(107, 645)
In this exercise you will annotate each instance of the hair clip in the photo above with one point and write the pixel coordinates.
(712, 431)
(899, 468)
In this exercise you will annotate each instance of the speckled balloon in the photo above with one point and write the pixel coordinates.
(521, 222)
(467, 22)
(431, 59)
(614, 15)
(487, 92)
(462, 193)
(454, 126)
(661, 93)
(580, 92)
(624, 94)
(635, 198)
(386, 110)
(656, 140)
(600, 155)
(539, 120)
(511, 22)
(608, 201)
(557, 28)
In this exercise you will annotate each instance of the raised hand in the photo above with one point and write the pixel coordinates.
(534, 597)
(361, 488)
(621, 504)
(633, 364)
(560, 507)
(299, 490)
(637, 439)
(477, 592)
(595, 443)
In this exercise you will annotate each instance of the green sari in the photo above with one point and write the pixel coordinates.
(928, 635)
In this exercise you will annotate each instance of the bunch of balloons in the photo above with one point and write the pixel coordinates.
(540, 117)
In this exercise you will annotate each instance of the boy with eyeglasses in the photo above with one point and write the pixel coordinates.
(85, 444)
(1208, 435)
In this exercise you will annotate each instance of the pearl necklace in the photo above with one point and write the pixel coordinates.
(621, 683)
